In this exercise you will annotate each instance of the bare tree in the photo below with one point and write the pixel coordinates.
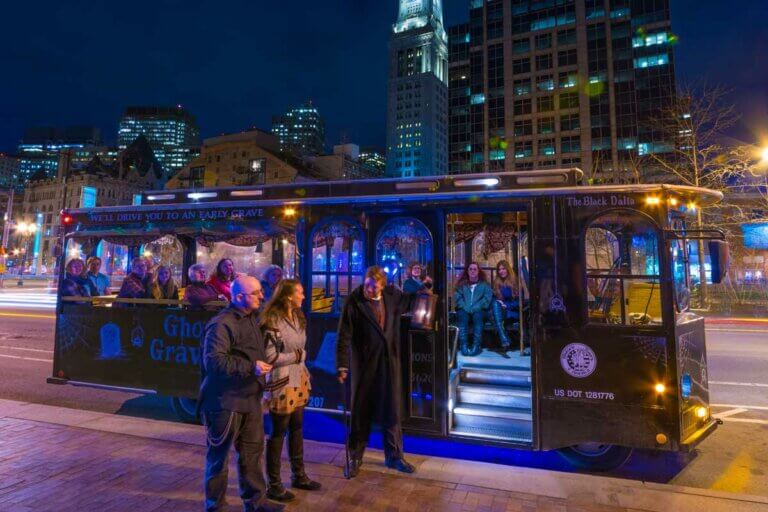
(697, 153)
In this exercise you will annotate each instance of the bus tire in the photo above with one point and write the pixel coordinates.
(596, 456)
(185, 409)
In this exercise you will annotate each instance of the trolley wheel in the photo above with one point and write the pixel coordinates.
(596, 456)
(185, 409)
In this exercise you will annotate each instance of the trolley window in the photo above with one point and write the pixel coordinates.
(338, 264)
(400, 242)
(166, 251)
(622, 260)
(251, 255)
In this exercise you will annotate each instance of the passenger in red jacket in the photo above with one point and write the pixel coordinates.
(222, 278)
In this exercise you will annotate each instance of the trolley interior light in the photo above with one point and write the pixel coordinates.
(289, 211)
(201, 195)
(673, 201)
(161, 197)
(660, 388)
(484, 182)
(246, 193)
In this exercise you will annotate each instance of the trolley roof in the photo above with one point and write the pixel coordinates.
(432, 188)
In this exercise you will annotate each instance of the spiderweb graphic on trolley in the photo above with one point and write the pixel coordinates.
(651, 348)
(72, 335)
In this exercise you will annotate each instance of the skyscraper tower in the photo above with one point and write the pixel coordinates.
(301, 130)
(172, 133)
(417, 96)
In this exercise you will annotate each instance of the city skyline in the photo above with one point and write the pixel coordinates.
(339, 61)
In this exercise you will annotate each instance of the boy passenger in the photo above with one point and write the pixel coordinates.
(75, 284)
(98, 282)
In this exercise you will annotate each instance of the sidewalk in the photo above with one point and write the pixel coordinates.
(57, 459)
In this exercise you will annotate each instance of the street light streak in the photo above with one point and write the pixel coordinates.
(28, 315)
(733, 406)
(731, 412)
(26, 349)
(26, 358)
(748, 384)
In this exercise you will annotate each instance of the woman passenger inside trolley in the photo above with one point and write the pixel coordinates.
(473, 299)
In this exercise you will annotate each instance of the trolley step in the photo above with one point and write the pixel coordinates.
(504, 423)
(497, 396)
(500, 377)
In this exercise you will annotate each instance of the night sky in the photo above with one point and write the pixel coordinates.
(234, 64)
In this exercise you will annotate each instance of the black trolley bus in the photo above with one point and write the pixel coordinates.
(617, 359)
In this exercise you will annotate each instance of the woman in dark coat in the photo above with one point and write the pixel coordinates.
(368, 345)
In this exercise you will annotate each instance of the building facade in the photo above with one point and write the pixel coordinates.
(573, 83)
(301, 130)
(172, 133)
(417, 91)
(78, 185)
(374, 158)
(41, 146)
(9, 171)
(254, 158)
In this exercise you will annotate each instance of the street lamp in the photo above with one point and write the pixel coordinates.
(24, 230)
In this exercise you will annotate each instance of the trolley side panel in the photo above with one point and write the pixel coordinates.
(142, 347)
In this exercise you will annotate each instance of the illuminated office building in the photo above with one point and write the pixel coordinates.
(39, 149)
(417, 91)
(171, 131)
(572, 83)
(301, 130)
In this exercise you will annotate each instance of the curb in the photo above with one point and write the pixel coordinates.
(577, 488)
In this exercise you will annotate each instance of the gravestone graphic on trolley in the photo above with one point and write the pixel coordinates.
(109, 340)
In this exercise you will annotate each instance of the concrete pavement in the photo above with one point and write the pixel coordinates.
(52, 458)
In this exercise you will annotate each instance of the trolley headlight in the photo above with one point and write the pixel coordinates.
(660, 388)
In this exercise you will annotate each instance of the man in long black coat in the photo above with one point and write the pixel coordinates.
(369, 329)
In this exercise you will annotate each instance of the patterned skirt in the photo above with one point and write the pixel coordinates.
(286, 399)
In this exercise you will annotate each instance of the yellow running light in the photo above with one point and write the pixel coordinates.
(701, 412)
(652, 200)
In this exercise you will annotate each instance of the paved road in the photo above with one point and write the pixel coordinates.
(734, 458)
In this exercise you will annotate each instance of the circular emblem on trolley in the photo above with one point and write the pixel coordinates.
(578, 360)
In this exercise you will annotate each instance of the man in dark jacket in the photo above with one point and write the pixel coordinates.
(369, 328)
(230, 399)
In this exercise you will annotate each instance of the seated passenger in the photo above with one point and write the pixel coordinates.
(164, 287)
(222, 278)
(506, 303)
(137, 284)
(98, 282)
(473, 298)
(271, 278)
(75, 284)
(417, 279)
(198, 292)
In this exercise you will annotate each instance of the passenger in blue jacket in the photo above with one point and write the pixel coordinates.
(473, 299)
